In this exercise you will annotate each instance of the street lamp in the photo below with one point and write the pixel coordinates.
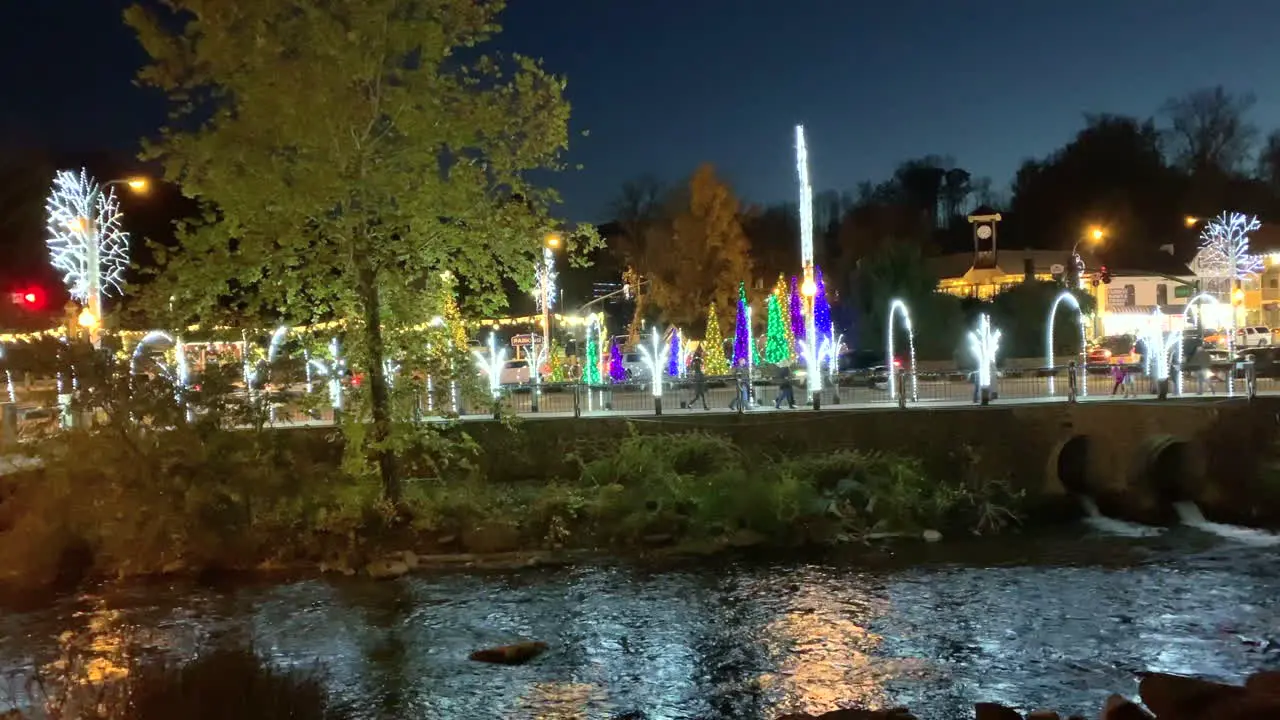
(1094, 234)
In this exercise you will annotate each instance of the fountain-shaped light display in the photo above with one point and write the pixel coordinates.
(984, 342)
(1160, 345)
(655, 359)
(8, 380)
(1071, 300)
(491, 365)
(1186, 312)
(178, 374)
(273, 351)
(831, 352)
(898, 309)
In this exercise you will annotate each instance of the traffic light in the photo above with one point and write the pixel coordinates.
(1105, 275)
(30, 298)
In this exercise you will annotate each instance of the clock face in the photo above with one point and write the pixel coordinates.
(984, 232)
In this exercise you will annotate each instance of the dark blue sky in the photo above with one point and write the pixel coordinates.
(665, 84)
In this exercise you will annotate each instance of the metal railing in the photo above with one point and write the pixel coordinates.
(850, 390)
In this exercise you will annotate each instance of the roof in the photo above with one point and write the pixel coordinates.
(1013, 262)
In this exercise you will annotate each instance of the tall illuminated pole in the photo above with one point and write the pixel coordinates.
(809, 287)
(547, 285)
(86, 240)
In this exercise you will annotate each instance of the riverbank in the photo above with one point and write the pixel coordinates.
(226, 501)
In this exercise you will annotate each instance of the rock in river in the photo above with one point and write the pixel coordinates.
(517, 654)
(387, 569)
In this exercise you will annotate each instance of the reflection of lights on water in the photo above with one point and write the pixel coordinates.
(826, 658)
(560, 701)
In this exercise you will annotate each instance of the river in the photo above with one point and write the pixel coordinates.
(1058, 621)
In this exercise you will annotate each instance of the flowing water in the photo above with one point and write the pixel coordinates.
(1060, 622)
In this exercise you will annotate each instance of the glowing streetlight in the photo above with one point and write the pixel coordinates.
(1190, 221)
(1096, 233)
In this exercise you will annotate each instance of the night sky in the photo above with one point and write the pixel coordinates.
(665, 84)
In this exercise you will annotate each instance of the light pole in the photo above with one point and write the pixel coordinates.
(1095, 234)
(546, 284)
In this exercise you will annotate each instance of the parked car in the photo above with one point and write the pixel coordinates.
(1114, 349)
(1253, 336)
(1266, 361)
(866, 365)
(514, 372)
(634, 366)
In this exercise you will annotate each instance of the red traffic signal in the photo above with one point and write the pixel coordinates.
(31, 298)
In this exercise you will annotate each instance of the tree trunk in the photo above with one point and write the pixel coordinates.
(379, 393)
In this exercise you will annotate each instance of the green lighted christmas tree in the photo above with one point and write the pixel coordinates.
(776, 347)
(782, 291)
(591, 361)
(713, 359)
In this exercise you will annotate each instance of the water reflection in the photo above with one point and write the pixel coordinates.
(723, 641)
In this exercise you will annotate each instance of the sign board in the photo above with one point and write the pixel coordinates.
(1183, 291)
(522, 340)
(1057, 269)
(1122, 296)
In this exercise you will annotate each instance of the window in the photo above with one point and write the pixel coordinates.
(1273, 283)
(1162, 294)
(1130, 296)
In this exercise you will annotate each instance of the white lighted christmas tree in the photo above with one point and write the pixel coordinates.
(1224, 248)
(87, 243)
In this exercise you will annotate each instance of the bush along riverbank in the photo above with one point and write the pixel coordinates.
(196, 498)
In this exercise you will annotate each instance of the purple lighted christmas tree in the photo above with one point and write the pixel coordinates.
(617, 371)
(821, 308)
(742, 332)
(797, 312)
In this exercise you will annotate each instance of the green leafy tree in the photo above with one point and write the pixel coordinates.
(714, 361)
(346, 154)
(776, 350)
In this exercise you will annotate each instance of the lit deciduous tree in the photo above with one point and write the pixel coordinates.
(701, 256)
(348, 153)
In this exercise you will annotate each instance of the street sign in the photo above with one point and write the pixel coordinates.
(1183, 291)
(522, 340)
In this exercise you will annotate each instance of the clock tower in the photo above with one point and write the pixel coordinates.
(984, 221)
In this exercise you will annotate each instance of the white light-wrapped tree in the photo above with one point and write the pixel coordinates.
(1224, 261)
(1224, 249)
(87, 243)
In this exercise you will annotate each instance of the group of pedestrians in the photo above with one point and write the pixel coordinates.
(742, 398)
(1199, 365)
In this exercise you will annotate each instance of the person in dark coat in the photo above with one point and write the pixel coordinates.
(785, 391)
(699, 380)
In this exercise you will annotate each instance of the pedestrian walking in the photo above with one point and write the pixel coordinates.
(785, 390)
(699, 380)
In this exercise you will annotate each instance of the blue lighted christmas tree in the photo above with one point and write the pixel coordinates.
(673, 355)
(821, 308)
